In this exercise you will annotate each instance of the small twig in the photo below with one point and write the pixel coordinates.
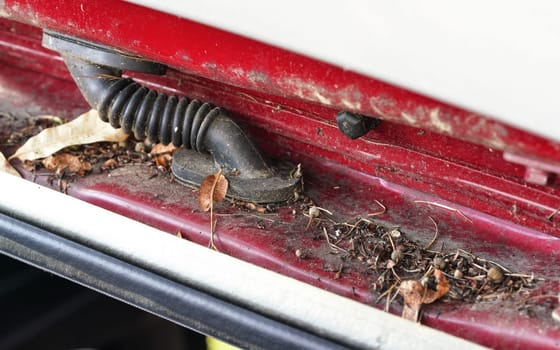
(479, 267)
(484, 283)
(505, 269)
(355, 226)
(391, 241)
(395, 274)
(386, 292)
(338, 273)
(447, 208)
(430, 269)
(388, 301)
(475, 278)
(362, 250)
(435, 235)
(521, 275)
(324, 210)
(314, 214)
(383, 209)
(212, 224)
(411, 271)
(495, 295)
(394, 297)
(333, 247)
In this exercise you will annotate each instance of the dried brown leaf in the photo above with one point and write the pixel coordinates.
(163, 155)
(109, 164)
(87, 128)
(163, 161)
(442, 288)
(213, 188)
(160, 149)
(6, 167)
(254, 207)
(415, 295)
(66, 161)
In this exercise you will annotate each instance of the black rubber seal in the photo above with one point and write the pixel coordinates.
(146, 290)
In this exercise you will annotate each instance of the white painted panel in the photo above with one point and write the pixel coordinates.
(498, 58)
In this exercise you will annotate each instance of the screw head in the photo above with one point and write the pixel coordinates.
(355, 125)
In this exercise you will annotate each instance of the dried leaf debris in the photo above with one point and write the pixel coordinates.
(419, 274)
(163, 155)
(82, 146)
(87, 128)
(212, 189)
(66, 161)
(6, 167)
(417, 293)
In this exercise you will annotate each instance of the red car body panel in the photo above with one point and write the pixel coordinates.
(493, 184)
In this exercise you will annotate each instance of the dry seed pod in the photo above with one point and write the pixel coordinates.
(396, 255)
(439, 263)
(390, 264)
(495, 274)
(140, 147)
(458, 274)
(314, 212)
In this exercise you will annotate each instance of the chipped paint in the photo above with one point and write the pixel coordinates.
(382, 105)
(348, 97)
(238, 72)
(258, 77)
(322, 98)
(495, 140)
(353, 106)
(210, 66)
(3, 12)
(438, 123)
(409, 118)
(377, 111)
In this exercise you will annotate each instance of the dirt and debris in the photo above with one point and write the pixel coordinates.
(417, 271)
(6, 167)
(162, 154)
(85, 129)
(62, 162)
(73, 162)
(400, 266)
(212, 189)
(417, 293)
(26, 127)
